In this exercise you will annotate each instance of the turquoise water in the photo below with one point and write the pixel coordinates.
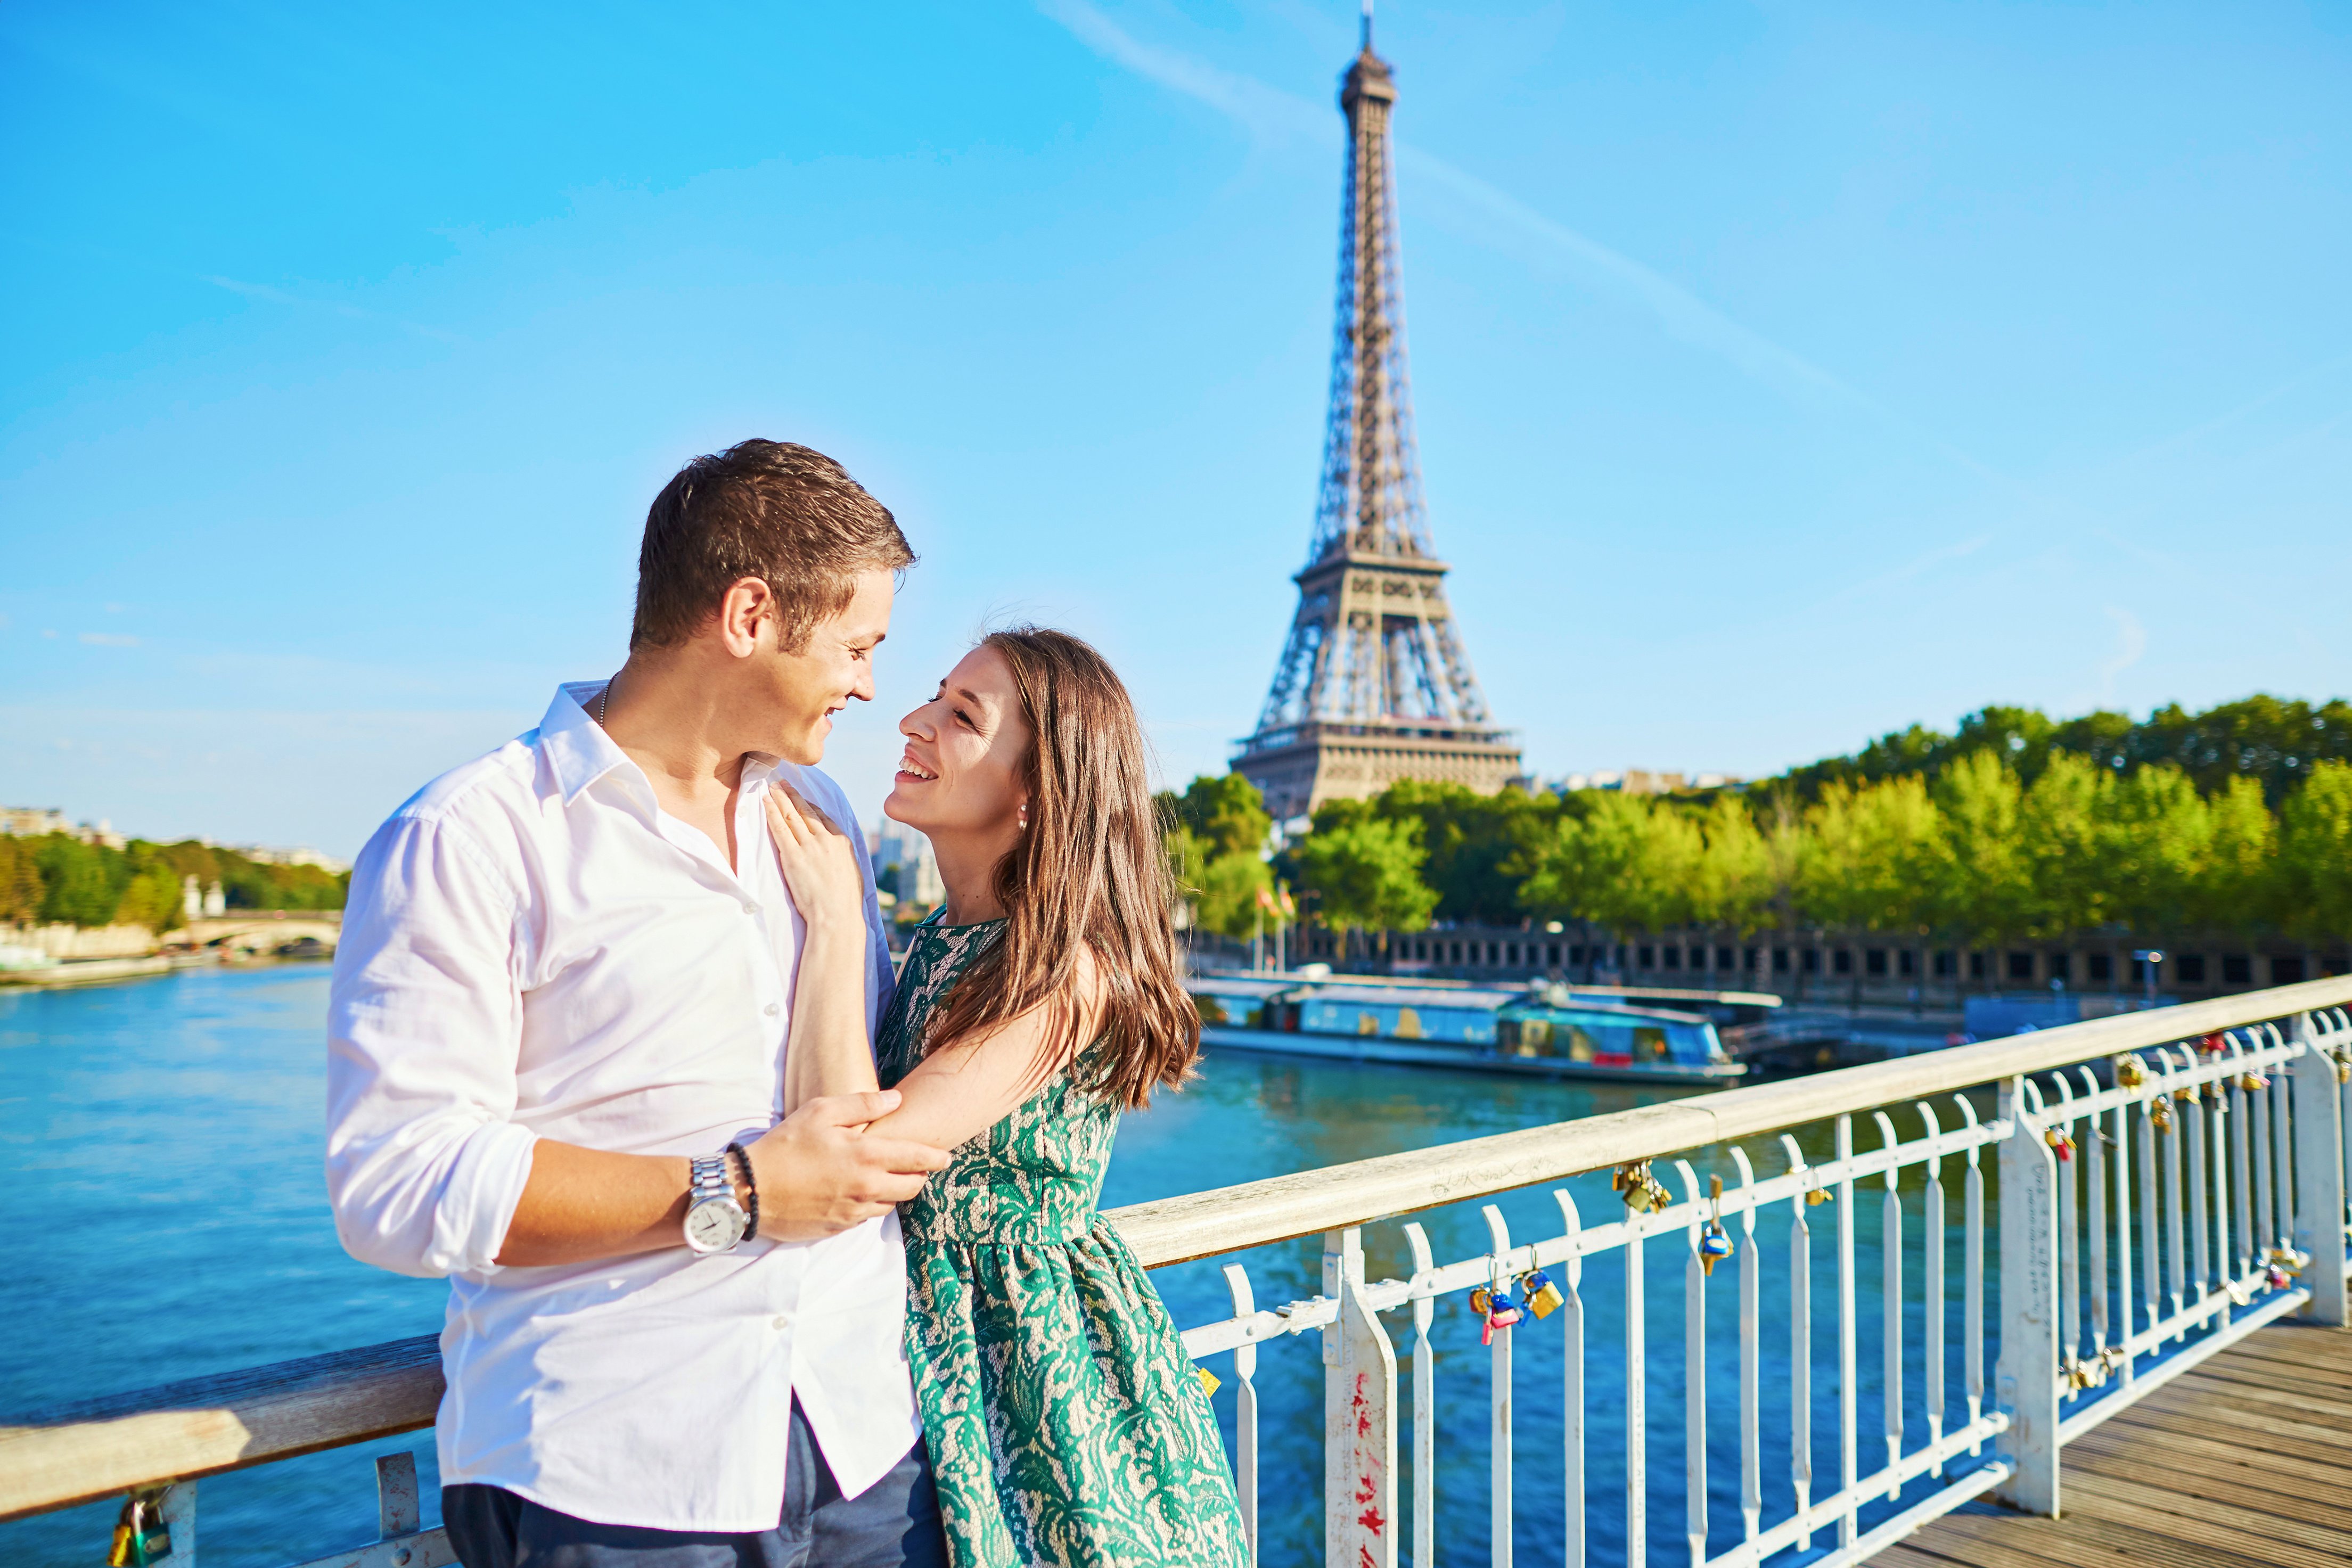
(162, 1178)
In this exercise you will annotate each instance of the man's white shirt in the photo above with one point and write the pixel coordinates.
(534, 949)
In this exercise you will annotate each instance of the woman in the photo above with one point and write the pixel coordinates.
(1066, 1424)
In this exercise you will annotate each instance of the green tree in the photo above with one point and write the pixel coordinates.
(1219, 826)
(1365, 869)
(1471, 841)
(2060, 836)
(1869, 857)
(20, 881)
(1982, 890)
(2158, 834)
(2316, 854)
(1737, 883)
(81, 882)
(153, 899)
(2237, 889)
(1622, 862)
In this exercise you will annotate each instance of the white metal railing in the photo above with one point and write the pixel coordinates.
(2146, 1218)
(2219, 1249)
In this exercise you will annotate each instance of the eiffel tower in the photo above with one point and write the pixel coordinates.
(1374, 685)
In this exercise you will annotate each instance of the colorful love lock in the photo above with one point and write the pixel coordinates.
(1500, 1312)
(140, 1536)
(2276, 1278)
(1643, 1193)
(2130, 1070)
(2343, 1059)
(2159, 1113)
(2058, 1140)
(2251, 1081)
(1543, 1297)
(1817, 1195)
(1713, 1247)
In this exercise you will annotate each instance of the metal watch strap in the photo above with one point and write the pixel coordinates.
(707, 1180)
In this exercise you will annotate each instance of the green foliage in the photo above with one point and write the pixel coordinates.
(1365, 869)
(1218, 829)
(2316, 853)
(2275, 743)
(1471, 842)
(20, 881)
(57, 877)
(80, 883)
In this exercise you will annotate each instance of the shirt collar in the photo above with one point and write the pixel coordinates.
(576, 745)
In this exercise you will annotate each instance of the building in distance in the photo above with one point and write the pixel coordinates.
(1643, 781)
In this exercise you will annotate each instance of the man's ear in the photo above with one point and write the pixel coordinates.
(746, 602)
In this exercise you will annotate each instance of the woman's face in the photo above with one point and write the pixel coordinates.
(967, 749)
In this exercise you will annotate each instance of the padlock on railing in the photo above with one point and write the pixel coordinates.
(2130, 1070)
(2059, 1141)
(1645, 1194)
(1496, 1309)
(2159, 1113)
(1542, 1297)
(140, 1536)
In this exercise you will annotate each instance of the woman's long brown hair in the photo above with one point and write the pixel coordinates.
(1089, 873)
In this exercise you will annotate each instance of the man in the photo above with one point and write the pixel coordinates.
(557, 1038)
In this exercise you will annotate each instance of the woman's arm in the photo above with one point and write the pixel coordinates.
(963, 1090)
(827, 1049)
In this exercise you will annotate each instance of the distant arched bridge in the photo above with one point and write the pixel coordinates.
(263, 930)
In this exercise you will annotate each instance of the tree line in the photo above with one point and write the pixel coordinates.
(55, 877)
(2236, 822)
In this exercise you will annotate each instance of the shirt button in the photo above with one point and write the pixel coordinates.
(772, 1009)
(780, 1321)
(750, 907)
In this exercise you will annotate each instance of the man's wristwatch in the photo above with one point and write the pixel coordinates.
(715, 1222)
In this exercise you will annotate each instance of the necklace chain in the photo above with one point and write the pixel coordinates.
(604, 700)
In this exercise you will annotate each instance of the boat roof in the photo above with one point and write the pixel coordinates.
(1407, 996)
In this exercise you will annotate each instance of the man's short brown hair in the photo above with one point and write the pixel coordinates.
(785, 514)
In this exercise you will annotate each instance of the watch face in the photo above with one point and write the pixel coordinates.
(714, 1226)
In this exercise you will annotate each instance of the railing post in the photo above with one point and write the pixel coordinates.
(2025, 1379)
(1359, 1402)
(2319, 1177)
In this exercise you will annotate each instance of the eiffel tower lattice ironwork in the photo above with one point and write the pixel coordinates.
(1374, 685)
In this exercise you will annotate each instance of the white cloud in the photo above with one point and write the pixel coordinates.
(109, 640)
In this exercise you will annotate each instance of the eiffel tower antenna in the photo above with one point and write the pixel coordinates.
(1374, 685)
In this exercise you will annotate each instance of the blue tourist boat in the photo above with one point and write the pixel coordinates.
(1550, 1032)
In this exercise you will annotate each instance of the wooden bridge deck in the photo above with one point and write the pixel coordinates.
(2244, 1463)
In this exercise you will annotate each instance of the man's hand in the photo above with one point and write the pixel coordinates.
(820, 1173)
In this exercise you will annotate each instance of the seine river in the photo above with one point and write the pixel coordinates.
(162, 1180)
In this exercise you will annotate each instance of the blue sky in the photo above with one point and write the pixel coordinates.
(1785, 373)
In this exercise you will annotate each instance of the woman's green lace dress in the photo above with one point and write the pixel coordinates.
(1066, 1426)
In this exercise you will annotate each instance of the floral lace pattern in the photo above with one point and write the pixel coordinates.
(1066, 1426)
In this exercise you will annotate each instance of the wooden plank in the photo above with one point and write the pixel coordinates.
(2293, 1402)
(2212, 1543)
(1905, 1557)
(2326, 1352)
(1173, 1230)
(1985, 1542)
(2307, 1374)
(73, 1453)
(2078, 1539)
(2262, 1433)
(2211, 1471)
(2234, 1523)
(2240, 1419)
(2268, 1374)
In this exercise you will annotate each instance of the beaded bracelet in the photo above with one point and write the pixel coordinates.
(751, 1188)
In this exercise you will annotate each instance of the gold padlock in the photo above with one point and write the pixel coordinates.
(2159, 1113)
(2130, 1072)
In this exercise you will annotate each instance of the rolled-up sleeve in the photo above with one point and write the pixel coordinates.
(425, 1165)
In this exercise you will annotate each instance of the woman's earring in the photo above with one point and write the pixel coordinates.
(1024, 815)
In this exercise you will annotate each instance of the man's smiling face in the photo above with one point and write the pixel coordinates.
(835, 664)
